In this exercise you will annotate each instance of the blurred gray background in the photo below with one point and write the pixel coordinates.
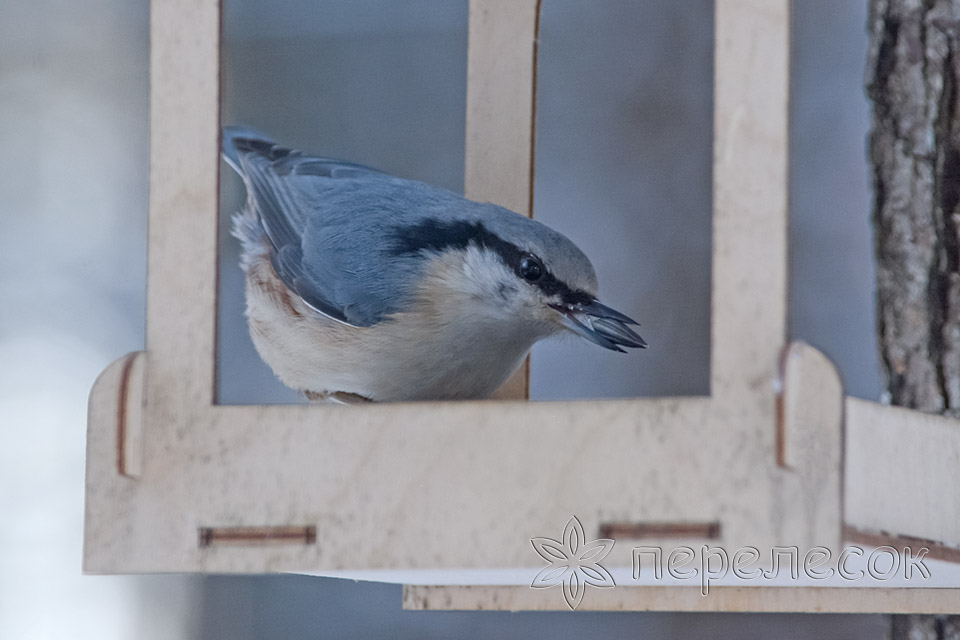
(623, 164)
(623, 168)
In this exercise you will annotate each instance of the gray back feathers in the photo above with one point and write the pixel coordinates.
(352, 241)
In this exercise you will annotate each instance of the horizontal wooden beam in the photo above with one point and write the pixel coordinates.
(902, 476)
(672, 598)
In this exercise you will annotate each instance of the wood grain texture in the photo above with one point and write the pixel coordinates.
(500, 103)
(419, 487)
(913, 75)
(748, 297)
(184, 173)
(903, 472)
(721, 598)
(913, 80)
(107, 442)
(472, 482)
(812, 434)
(501, 119)
(129, 417)
(403, 486)
(751, 123)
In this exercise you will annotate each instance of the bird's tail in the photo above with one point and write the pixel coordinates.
(231, 135)
(246, 223)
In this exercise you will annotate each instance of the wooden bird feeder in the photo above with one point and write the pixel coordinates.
(445, 497)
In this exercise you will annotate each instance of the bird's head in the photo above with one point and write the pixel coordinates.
(509, 270)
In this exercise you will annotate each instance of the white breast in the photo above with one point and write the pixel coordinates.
(451, 344)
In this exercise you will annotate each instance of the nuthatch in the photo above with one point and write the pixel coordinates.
(361, 285)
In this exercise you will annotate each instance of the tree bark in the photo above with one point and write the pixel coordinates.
(913, 77)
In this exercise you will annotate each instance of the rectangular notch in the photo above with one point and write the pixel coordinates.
(639, 530)
(253, 536)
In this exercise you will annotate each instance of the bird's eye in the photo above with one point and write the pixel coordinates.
(531, 269)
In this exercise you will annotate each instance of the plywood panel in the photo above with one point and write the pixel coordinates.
(501, 118)
(751, 118)
(184, 166)
(447, 486)
(721, 598)
(903, 473)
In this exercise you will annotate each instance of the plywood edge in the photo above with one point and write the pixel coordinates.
(501, 102)
(902, 472)
(501, 119)
(809, 446)
(810, 399)
(115, 410)
(199, 507)
(114, 438)
(750, 191)
(183, 198)
(935, 549)
(688, 599)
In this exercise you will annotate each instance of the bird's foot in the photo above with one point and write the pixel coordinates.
(335, 397)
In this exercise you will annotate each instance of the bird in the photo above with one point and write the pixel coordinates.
(366, 287)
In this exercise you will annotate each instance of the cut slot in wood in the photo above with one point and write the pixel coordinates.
(638, 530)
(217, 536)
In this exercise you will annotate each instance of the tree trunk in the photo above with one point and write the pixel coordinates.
(913, 80)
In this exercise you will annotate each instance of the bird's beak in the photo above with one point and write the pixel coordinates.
(600, 324)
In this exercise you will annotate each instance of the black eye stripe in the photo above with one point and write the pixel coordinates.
(551, 286)
(437, 235)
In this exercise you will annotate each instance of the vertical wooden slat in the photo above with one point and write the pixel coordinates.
(810, 447)
(129, 416)
(501, 104)
(455, 467)
(751, 86)
(184, 162)
(626, 597)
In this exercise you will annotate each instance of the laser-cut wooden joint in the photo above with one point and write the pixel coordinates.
(130, 415)
(746, 465)
(252, 536)
(641, 530)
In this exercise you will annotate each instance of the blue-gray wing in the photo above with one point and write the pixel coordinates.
(332, 225)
